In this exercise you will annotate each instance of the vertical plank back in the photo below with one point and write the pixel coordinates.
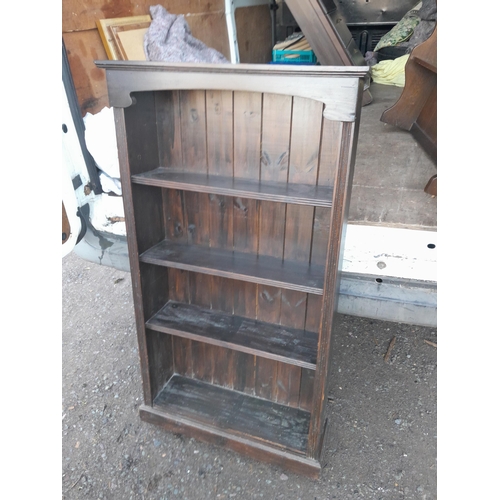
(274, 162)
(305, 143)
(219, 112)
(247, 152)
(168, 119)
(181, 348)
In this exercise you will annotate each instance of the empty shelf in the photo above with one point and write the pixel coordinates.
(301, 194)
(261, 269)
(289, 345)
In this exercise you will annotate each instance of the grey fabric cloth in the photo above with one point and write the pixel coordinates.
(169, 39)
(371, 58)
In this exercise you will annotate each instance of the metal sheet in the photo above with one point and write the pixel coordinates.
(366, 12)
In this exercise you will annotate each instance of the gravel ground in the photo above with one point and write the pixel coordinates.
(382, 444)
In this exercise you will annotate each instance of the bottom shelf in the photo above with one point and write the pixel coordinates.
(256, 427)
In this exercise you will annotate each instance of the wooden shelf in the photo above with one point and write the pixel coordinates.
(300, 194)
(260, 269)
(234, 412)
(243, 182)
(289, 345)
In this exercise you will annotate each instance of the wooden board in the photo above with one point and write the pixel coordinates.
(264, 269)
(297, 193)
(254, 34)
(83, 48)
(211, 29)
(113, 43)
(80, 34)
(236, 412)
(131, 42)
(81, 15)
(290, 345)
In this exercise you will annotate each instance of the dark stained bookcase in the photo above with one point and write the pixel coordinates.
(236, 183)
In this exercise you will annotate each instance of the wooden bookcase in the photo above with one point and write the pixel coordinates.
(236, 182)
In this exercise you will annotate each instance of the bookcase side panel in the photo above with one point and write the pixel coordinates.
(142, 144)
(142, 133)
(123, 157)
(338, 223)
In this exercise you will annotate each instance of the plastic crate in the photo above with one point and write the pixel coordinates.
(300, 57)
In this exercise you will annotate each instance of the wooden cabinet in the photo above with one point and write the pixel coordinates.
(236, 182)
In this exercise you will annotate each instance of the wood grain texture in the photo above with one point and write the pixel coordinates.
(202, 355)
(245, 305)
(168, 119)
(275, 146)
(305, 143)
(78, 15)
(130, 223)
(292, 314)
(247, 126)
(79, 30)
(253, 29)
(420, 81)
(287, 344)
(264, 269)
(297, 193)
(181, 347)
(236, 412)
(193, 130)
(83, 48)
(338, 225)
(258, 450)
(109, 29)
(161, 360)
(219, 106)
(235, 293)
(336, 87)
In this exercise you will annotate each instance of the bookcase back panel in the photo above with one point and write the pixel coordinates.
(200, 131)
(265, 378)
(242, 134)
(280, 306)
(283, 230)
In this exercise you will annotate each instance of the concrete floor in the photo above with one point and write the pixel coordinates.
(391, 171)
(382, 411)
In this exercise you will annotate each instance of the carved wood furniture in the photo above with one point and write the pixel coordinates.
(416, 109)
(236, 183)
